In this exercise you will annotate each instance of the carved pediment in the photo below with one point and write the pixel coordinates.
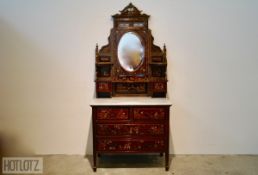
(130, 10)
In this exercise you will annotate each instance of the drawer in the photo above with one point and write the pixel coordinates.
(133, 145)
(149, 113)
(130, 129)
(115, 113)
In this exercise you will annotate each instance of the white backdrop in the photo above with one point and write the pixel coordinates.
(47, 72)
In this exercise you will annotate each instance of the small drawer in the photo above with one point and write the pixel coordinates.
(108, 113)
(130, 129)
(133, 145)
(149, 113)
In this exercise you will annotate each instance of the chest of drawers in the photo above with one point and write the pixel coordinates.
(130, 129)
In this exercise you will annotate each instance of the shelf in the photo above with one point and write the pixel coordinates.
(158, 64)
(104, 63)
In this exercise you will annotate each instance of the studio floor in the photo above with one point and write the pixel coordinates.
(151, 165)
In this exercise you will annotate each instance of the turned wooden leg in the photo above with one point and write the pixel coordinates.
(94, 162)
(167, 161)
(160, 154)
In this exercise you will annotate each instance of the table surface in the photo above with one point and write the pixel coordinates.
(131, 101)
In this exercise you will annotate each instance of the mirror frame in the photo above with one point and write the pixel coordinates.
(142, 47)
(149, 79)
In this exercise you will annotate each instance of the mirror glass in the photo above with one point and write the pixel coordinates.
(130, 52)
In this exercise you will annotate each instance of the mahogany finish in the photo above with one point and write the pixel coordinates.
(149, 79)
(130, 129)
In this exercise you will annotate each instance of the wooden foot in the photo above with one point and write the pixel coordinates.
(94, 162)
(167, 161)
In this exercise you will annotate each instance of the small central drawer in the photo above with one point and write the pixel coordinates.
(112, 113)
(130, 129)
(149, 113)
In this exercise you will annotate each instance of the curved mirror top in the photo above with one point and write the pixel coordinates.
(130, 52)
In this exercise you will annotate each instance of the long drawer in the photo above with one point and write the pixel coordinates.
(132, 145)
(130, 129)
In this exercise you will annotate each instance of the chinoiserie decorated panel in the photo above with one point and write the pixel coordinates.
(130, 129)
(154, 113)
(107, 113)
(130, 145)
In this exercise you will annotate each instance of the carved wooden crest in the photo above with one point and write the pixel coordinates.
(130, 64)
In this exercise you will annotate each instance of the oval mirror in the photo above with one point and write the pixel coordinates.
(130, 52)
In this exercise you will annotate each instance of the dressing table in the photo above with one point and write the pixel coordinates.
(130, 113)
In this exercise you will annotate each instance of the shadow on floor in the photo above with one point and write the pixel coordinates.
(129, 161)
